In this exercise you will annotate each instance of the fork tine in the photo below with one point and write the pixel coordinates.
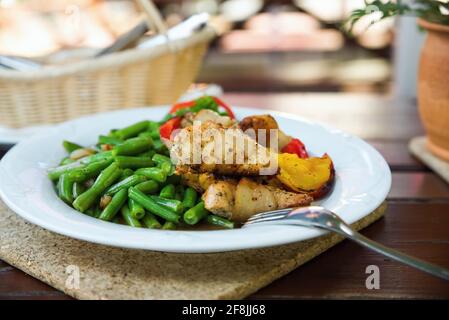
(273, 216)
(270, 214)
(265, 219)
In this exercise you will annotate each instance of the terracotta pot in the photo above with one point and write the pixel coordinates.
(433, 88)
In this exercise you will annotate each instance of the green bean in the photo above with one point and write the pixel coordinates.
(132, 147)
(145, 134)
(182, 112)
(150, 221)
(125, 184)
(148, 187)
(65, 189)
(219, 221)
(171, 204)
(90, 212)
(136, 209)
(147, 154)
(106, 178)
(133, 162)
(195, 214)
(118, 200)
(168, 192)
(90, 171)
(200, 104)
(70, 146)
(179, 192)
(159, 159)
(153, 173)
(126, 173)
(97, 211)
(150, 205)
(190, 197)
(160, 147)
(168, 225)
(204, 102)
(132, 130)
(65, 161)
(78, 188)
(155, 134)
(129, 219)
(167, 168)
(106, 155)
(109, 140)
(153, 126)
(94, 211)
(152, 131)
(55, 173)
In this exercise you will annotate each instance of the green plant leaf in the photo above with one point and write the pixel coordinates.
(426, 9)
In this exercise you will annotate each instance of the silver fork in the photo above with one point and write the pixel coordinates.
(321, 218)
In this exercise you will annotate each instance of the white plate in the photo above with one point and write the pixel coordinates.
(14, 135)
(363, 181)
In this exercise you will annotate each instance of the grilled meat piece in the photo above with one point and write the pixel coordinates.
(210, 147)
(198, 181)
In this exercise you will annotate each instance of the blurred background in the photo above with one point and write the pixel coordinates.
(271, 45)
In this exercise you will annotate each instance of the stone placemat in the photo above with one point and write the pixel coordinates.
(114, 273)
(418, 147)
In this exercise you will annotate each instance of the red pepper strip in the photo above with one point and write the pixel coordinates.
(167, 128)
(181, 105)
(295, 146)
(225, 106)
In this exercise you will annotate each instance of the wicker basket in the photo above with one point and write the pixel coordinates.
(131, 78)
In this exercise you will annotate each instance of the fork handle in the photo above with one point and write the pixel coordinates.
(433, 269)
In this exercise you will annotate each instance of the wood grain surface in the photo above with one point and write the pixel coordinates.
(416, 221)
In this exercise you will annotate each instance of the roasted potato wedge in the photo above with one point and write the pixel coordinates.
(240, 200)
(266, 122)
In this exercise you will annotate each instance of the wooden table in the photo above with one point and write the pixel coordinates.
(416, 221)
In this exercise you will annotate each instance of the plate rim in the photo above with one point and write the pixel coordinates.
(33, 218)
